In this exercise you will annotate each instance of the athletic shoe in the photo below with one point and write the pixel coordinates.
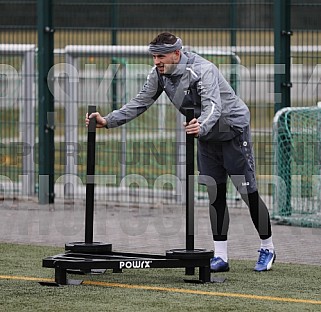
(265, 261)
(219, 265)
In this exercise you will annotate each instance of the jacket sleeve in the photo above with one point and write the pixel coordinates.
(138, 105)
(209, 90)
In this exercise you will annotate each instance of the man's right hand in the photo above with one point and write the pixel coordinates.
(100, 121)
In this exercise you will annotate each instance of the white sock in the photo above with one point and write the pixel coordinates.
(220, 250)
(267, 244)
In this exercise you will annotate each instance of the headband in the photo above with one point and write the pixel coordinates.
(165, 47)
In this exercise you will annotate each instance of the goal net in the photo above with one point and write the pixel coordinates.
(297, 166)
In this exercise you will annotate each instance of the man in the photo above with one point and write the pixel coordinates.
(221, 125)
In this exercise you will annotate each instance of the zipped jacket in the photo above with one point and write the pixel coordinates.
(193, 83)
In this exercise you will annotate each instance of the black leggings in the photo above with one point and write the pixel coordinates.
(220, 219)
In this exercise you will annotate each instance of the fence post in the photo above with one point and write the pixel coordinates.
(71, 122)
(233, 44)
(46, 101)
(28, 121)
(282, 52)
(282, 85)
(114, 22)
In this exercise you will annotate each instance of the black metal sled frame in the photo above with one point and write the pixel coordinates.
(91, 257)
(84, 263)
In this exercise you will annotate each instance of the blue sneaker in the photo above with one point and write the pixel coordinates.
(219, 265)
(265, 261)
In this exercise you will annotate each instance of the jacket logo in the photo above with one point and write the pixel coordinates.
(187, 91)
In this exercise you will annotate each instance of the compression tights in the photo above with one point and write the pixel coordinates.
(219, 215)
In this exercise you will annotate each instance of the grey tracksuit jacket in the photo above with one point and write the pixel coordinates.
(193, 83)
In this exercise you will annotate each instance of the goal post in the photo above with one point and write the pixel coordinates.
(297, 164)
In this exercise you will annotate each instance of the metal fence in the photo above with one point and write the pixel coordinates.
(239, 33)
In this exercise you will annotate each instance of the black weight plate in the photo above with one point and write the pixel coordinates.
(190, 254)
(91, 248)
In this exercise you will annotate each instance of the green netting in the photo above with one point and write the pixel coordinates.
(296, 194)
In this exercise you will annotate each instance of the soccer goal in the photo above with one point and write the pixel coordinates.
(297, 166)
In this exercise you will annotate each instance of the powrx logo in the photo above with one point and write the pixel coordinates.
(135, 264)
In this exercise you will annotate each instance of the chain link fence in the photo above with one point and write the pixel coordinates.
(238, 36)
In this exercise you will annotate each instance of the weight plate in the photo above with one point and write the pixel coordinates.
(190, 254)
(91, 248)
